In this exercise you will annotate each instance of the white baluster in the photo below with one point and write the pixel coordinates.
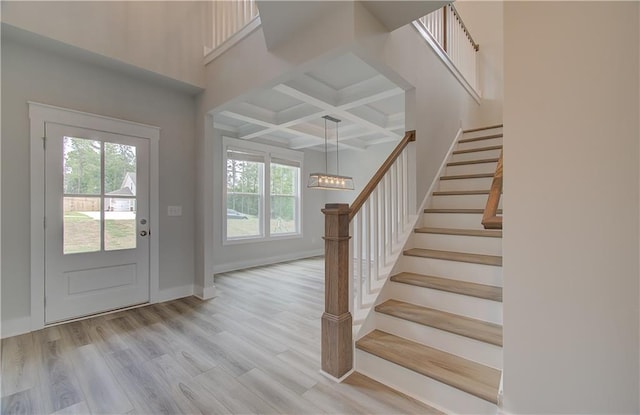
(376, 240)
(352, 286)
(358, 251)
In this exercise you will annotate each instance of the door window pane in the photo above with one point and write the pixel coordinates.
(244, 201)
(284, 191)
(81, 166)
(119, 169)
(81, 225)
(119, 223)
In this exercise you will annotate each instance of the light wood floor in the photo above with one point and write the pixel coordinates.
(255, 348)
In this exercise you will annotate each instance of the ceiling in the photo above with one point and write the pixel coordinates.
(370, 107)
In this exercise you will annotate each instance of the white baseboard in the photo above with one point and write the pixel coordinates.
(257, 262)
(15, 326)
(205, 293)
(174, 293)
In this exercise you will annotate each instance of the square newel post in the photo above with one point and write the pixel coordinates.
(337, 330)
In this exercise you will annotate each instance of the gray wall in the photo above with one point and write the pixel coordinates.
(571, 188)
(165, 37)
(31, 72)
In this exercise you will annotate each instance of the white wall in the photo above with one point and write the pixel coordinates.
(165, 37)
(436, 108)
(570, 246)
(33, 72)
(485, 23)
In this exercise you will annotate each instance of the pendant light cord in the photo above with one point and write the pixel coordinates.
(337, 151)
(326, 162)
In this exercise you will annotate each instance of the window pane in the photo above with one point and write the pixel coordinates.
(284, 191)
(81, 166)
(244, 199)
(119, 169)
(81, 225)
(283, 214)
(284, 180)
(119, 223)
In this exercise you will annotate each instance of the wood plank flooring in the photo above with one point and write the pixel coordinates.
(255, 348)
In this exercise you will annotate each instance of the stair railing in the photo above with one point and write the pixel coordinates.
(490, 218)
(361, 241)
(446, 31)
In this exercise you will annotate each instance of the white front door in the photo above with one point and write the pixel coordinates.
(96, 222)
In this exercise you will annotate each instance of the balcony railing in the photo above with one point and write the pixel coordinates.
(228, 21)
(447, 34)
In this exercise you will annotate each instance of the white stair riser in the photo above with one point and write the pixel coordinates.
(483, 183)
(481, 133)
(457, 243)
(463, 305)
(471, 169)
(423, 388)
(480, 143)
(453, 220)
(460, 202)
(478, 273)
(470, 349)
(476, 155)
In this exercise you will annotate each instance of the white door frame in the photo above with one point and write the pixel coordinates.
(38, 115)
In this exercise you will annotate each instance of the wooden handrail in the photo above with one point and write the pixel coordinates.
(490, 219)
(409, 136)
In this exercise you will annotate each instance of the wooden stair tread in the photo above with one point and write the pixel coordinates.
(461, 232)
(455, 256)
(484, 137)
(474, 378)
(453, 323)
(467, 176)
(479, 161)
(471, 289)
(465, 211)
(490, 127)
(478, 149)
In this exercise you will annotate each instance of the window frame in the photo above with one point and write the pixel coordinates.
(268, 153)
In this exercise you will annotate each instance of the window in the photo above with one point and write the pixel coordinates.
(262, 198)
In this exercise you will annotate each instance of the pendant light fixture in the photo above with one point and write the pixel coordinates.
(325, 180)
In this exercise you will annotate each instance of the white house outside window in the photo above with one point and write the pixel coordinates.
(262, 198)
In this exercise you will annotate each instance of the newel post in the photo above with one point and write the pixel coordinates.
(337, 330)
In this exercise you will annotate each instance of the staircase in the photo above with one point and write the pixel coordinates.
(438, 321)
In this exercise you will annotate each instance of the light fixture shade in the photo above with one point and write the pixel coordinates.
(329, 182)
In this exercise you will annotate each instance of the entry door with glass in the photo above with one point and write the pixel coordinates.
(96, 224)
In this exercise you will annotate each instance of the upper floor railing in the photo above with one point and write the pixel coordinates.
(448, 35)
(228, 18)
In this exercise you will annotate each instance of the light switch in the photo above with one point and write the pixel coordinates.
(174, 211)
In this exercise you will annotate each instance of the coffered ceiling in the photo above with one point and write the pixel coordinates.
(370, 107)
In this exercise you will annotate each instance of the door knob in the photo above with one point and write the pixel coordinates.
(143, 233)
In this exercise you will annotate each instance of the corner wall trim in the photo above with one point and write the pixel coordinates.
(15, 326)
(174, 293)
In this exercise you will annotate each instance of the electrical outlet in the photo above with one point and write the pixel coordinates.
(174, 211)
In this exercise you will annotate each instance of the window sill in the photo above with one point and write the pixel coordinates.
(261, 239)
